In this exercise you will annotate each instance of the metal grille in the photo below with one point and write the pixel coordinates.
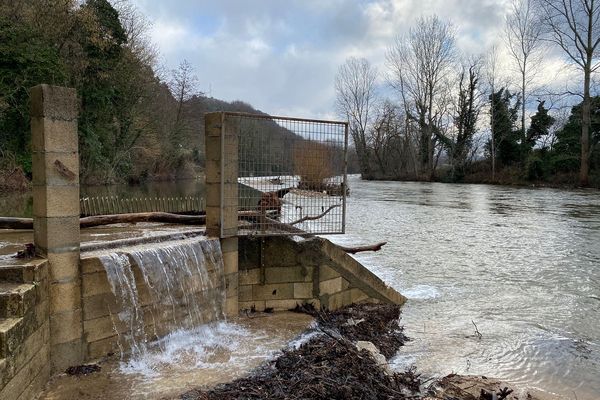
(291, 175)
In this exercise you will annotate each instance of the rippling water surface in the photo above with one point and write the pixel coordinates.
(522, 265)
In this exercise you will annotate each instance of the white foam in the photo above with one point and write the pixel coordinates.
(421, 292)
(193, 347)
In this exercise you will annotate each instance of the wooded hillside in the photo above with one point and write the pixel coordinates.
(136, 120)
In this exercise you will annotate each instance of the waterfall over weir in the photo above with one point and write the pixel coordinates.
(163, 288)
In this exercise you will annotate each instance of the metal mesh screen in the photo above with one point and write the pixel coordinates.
(291, 175)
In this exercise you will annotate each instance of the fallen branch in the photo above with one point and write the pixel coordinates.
(309, 218)
(88, 222)
(358, 249)
(16, 223)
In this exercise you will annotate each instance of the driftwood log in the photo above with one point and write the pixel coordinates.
(358, 249)
(16, 223)
(88, 222)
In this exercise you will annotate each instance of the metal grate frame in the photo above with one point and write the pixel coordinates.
(292, 174)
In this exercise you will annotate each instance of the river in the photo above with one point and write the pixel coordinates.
(522, 265)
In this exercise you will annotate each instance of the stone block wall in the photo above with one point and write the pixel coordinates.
(222, 196)
(55, 178)
(279, 272)
(24, 330)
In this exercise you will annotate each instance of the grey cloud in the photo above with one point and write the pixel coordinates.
(248, 56)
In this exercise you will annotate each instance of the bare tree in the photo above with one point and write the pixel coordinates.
(137, 28)
(355, 99)
(523, 34)
(383, 136)
(420, 64)
(491, 76)
(183, 86)
(574, 26)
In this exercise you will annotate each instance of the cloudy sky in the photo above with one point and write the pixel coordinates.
(281, 56)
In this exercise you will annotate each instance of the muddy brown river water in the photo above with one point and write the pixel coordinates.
(523, 264)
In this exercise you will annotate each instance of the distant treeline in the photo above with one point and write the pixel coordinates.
(459, 118)
(136, 121)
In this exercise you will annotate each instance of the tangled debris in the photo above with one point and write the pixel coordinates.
(27, 252)
(329, 366)
(84, 369)
(376, 323)
(348, 360)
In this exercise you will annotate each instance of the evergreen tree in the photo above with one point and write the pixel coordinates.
(506, 135)
(26, 59)
(566, 152)
(540, 125)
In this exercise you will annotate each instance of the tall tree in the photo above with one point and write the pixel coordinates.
(465, 118)
(26, 59)
(183, 86)
(420, 65)
(567, 148)
(524, 42)
(383, 137)
(574, 26)
(491, 76)
(506, 137)
(355, 99)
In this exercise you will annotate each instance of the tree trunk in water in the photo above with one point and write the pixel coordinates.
(363, 160)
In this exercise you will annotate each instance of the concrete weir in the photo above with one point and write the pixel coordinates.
(137, 294)
(279, 273)
(75, 303)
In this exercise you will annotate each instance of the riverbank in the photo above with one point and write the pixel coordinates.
(510, 176)
(346, 356)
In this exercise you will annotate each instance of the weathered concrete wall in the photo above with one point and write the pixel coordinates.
(101, 325)
(279, 272)
(24, 330)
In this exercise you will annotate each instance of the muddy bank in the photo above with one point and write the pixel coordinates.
(346, 357)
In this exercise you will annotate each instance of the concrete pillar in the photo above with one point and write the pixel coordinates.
(222, 196)
(56, 215)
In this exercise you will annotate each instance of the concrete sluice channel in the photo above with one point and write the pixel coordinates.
(161, 305)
